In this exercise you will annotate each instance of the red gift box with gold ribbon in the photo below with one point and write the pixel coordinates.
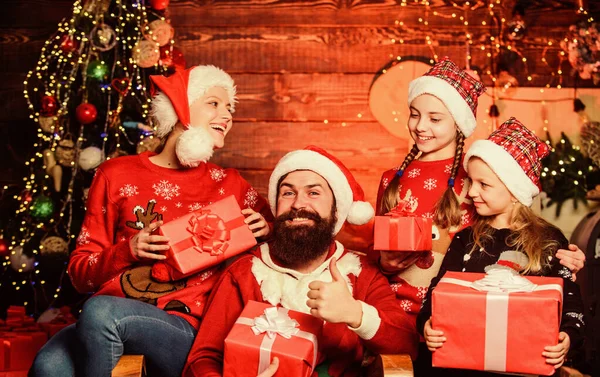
(499, 331)
(206, 237)
(262, 332)
(401, 230)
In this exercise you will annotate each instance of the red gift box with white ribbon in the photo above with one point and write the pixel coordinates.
(262, 332)
(496, 330)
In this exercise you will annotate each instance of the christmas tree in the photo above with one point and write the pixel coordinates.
(89, 96)
(567, 173)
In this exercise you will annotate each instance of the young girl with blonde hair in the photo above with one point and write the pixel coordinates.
(504, 171)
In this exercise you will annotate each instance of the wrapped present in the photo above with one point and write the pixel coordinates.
(496, 328)
(402, 231)
(263, 332)
(206, 238)
(55, 319)
(18, 349)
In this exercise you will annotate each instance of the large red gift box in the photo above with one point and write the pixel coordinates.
(402, 232)
(262, 332)
(496, 331)
(206, 238)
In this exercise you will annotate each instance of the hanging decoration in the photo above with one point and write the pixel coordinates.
(65, 152)
(19, 261)
(161, 32)
(103, 37)
(54, 246)
(86, 113)
(590, 140)
(90, 158)
(3, 247)
(146, 53)
(42, 208)
(582, 46)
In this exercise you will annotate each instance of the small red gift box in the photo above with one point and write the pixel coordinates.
(206, 238)
(496, 331)
(18, 349)
(262, 332)
(402, 231)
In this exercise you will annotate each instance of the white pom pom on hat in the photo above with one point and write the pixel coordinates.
(349, 196)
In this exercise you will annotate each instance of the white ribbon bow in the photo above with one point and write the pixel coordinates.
(503, 279)
(275, 322)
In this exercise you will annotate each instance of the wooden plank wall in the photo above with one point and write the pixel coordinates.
(296, 64)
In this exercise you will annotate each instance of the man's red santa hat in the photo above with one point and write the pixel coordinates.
(349, 196)
(178, 92)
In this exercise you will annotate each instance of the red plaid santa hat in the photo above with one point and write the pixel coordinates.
(181, 89)
(457, 89)
(349, 196)
(515, 154)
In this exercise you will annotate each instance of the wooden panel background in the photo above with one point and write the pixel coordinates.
(296, 64)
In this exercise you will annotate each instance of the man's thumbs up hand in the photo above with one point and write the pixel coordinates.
(333, 302)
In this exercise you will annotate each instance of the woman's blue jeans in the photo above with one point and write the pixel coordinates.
(110, 327)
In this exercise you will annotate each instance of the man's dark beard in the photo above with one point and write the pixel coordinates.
(296, 245)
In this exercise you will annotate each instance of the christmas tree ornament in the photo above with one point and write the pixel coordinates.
(97, 69)
(146, 53)
(53, 169)
(516, 30)
(41, 208)
(54, 246)
(26, 196)
(65, 152)
(172, 58)
(68, 44)
(90, 158)
(86, 113)
(161, 32)
(149, 143)
(121, 85)
(103, 37)
(97, 6)
(49, 106)
(3, 247)
(159, 4)
(20, 261)
(48, 124)
(590, 139)
(582, 45)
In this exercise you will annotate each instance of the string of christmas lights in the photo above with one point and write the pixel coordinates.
(89, 93)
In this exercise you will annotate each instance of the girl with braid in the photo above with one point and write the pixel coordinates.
(431, 182)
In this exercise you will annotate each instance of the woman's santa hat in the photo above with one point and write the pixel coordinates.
(515, 154)
(457, 89)
(349, 196)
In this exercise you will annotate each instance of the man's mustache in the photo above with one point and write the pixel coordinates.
(303, 213)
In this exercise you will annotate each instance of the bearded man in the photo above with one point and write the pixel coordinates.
(303, 268)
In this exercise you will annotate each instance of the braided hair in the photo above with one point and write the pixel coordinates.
(447, 211)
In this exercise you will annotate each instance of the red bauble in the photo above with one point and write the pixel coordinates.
(159, 4)
(49, 106)
(67, 44)
(26, 196)
(172, 58)
(3, 247)
(86, 113)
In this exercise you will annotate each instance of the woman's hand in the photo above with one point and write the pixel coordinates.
(433, 338)
(555, 355)
(256, 222)
(271, 370)
(145, 245)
